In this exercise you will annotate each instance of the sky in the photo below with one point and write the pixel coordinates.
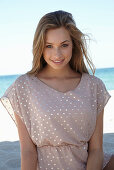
(19, 19)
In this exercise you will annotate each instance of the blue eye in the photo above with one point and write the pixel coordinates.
(48, 46)
(65, 45)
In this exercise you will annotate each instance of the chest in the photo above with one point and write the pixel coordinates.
(65, 110)
(61, 85)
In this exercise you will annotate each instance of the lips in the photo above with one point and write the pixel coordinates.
(58, 60)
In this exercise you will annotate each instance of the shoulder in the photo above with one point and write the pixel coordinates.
(20, 82)
(92, 79)
(20, 85)
(22, 79)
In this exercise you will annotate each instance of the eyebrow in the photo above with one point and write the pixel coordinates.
(60, 43)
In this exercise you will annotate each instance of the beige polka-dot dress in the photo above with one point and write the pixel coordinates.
(59, 123)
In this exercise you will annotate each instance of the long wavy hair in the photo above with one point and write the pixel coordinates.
(54, 20)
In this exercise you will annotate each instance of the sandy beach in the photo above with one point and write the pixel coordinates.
(9, 140)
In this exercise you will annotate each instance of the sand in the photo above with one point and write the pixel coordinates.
(9, 140)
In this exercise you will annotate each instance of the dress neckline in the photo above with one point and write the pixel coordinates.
(51, 88)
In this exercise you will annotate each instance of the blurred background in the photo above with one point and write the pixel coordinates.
(18, 22)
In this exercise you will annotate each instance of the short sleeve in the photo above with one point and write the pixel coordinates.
(14, 100)
(102, 96)
(9, 100)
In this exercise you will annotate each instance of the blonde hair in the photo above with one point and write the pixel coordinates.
(54, 20)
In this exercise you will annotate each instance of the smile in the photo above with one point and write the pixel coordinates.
(58, 61)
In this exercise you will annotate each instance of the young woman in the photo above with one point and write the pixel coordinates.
(58, 106)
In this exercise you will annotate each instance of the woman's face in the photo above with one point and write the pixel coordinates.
(58, 48)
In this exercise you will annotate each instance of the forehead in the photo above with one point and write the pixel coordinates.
(57, 35)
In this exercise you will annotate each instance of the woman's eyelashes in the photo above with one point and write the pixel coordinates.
(50, 46)
(64, 45)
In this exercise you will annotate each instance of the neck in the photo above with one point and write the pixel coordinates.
(58, 73)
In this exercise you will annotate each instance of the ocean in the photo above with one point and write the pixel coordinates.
(105, 74)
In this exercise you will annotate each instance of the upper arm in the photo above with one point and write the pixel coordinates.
(96, 141)
(26, 143)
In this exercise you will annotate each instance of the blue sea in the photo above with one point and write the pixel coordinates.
(105, 74)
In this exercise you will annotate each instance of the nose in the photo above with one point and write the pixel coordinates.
(57, 53)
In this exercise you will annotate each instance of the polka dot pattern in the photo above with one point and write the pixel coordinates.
(59, 123)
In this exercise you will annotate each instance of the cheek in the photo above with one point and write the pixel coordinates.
(46, 54)
(68, 52)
